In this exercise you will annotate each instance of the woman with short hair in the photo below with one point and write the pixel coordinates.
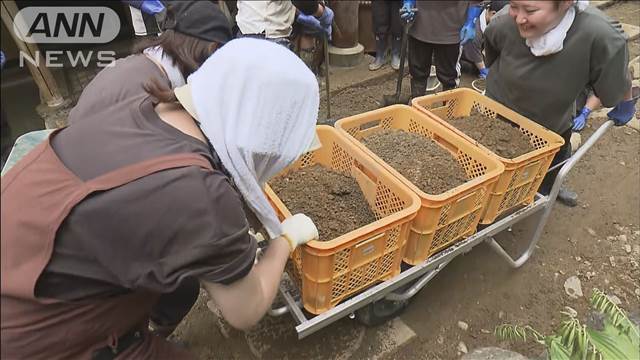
(544, 54)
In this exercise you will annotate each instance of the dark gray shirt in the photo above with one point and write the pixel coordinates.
(439, 22)
(545, 88)
(154, 232)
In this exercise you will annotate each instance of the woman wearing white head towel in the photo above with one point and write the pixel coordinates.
(545, 54)
(146, 195)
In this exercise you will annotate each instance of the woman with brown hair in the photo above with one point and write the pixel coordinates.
(117, 219)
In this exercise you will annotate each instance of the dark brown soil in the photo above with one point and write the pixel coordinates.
(497, 135)
(334, 201)
(419, 159)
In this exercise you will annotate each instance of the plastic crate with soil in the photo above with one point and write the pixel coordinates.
(332, 200)
(498, 135)
(419, 159)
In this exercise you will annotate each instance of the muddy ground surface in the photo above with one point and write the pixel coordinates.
(498, 135)
(590, 241)
(626, 11)
(334, 201)
(423, 162)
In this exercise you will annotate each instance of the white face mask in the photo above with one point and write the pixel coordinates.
(552, 41)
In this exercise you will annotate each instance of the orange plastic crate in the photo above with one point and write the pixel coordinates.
(330, 271)
(443, 218)
(523, 175)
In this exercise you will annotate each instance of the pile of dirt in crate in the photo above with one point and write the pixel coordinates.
(332, 200)
(498, 135)
(423, 162)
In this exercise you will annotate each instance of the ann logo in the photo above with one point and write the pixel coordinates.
(79, 24)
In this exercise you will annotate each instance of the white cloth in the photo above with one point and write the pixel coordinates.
(273, 18)
(552, 41)
(483, 20)
(172, 71)
(257, 102)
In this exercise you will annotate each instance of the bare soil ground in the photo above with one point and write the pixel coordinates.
(598, 241)
(498, 135)
(423, 162)
(334, 201)
(626, 11)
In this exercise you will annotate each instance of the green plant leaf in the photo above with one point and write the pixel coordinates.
(612, 344)
(601, 302)
(557, 351)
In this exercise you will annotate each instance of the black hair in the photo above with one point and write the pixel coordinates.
(497, 5)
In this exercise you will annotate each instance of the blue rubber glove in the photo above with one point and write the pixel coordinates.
(408, 10)
(483, 73)
(468, 31)
(623, 112)
(2, 59)
(581, 120)
(310, 22)
(326, 20)
(150, 7)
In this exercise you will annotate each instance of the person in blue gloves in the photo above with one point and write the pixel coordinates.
(273, 20)
(472, 60)
(146, 15)
(438, 31)
(309, 30)
(544, 54)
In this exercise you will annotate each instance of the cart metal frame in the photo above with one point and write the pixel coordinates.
(421, 274)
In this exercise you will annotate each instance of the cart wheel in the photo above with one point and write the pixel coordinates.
(379, 312)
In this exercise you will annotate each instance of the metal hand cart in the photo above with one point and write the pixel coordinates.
(384, 300)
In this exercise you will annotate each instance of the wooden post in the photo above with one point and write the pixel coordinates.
(45, 81)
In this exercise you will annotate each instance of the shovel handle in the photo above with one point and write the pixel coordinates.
(326, 74)
(403, 55)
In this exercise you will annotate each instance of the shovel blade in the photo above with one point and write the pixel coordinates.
(393, 100)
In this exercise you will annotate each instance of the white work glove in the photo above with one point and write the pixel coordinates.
(299, 229)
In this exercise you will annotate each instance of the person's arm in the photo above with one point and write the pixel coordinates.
(309, 7)
(315, 16)
(625, 110)
(609, 74)
(245, 301)
(468, 30)
(593, 103)
(580, 120)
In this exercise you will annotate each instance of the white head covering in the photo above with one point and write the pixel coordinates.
(552, 41)
(257, 102)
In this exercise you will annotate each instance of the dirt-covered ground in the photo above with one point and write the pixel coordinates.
(598, 241)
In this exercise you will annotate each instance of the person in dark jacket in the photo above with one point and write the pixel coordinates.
(472, 60)
(438, 31)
